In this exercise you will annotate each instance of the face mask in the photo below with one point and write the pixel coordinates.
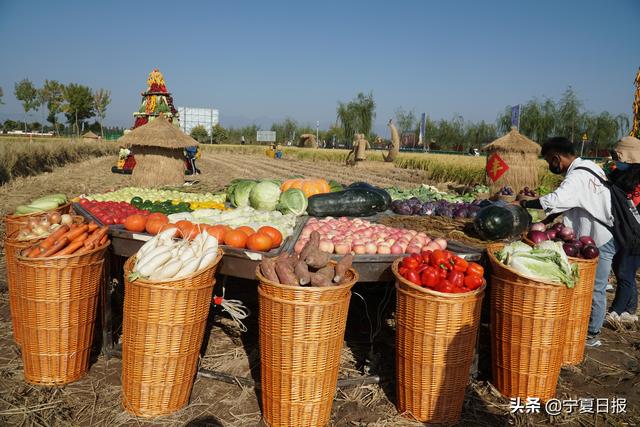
(555, 168)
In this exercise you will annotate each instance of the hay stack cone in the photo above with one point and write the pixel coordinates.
(521, 155)
(158, 147)
(90, 136)
(308, 140)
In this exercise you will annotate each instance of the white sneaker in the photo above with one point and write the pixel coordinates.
(593, 341)
(628, 318)
(609, 287)
(612, 317)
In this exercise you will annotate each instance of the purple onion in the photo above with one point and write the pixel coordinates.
(538, 226)
(570, 249)
(537, 236)
(577, 243)
(551, 234)
(557, 226)
(587, 240)
(590, 252)
(566, 234)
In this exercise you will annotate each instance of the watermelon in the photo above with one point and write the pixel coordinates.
(496, 222)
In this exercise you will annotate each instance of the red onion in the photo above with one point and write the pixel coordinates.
(566, 234)
(551, 234)
(538, 226)
(590, 252)
(570, 249)
(537, 236)
(557, 226)
(587, 240)
(577, 243)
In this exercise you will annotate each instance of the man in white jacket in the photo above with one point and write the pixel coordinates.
(584, 203)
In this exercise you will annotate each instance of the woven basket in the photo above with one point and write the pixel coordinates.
(162, 331)
(301, 337)
(57, 303)
(528, 320)
(12, 222)
(435, 341)
(579, 309)
(11, 248)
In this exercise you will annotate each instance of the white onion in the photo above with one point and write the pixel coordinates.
(538, 226)
(66, 219)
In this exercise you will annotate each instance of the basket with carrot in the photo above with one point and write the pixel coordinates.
(57, 302)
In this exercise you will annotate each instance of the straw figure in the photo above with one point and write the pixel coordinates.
(90, 137)
(635, 128)
(308, 140)
(394, 150)
(521, 156)
(158, 147)
(359, 151)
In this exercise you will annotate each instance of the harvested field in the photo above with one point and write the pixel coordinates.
(612, 370)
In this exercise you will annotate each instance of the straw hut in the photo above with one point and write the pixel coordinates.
(521, 155)
(90, 136)
(158, 147)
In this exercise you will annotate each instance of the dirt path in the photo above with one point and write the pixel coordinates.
(612, 370)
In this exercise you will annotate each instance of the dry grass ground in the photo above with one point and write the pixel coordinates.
(611, 370)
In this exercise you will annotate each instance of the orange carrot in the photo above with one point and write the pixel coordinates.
(97, 236)
(60, 231)
(103, 240)
(34, 252)
(92, 227)
(71, 235)
(58, 246)
(81, 238)
(70, 248)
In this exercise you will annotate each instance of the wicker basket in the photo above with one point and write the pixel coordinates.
(528, 319)
(301, 337)
(579, 309)
(162, 331)
(12, 222)
(11, 248)
(435, 341)
(57, 304)
(579, 312)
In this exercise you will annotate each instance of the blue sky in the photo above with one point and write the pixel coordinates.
(259, 61)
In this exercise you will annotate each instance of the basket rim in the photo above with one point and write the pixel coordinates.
(356, 278)
(159, 284)
(528, 241)
(55, 258)
(14, 216)
(427, 291)
(490, 249)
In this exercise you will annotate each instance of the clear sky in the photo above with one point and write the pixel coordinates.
(259, 61)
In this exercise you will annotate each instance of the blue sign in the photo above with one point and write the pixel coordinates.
(515, 116)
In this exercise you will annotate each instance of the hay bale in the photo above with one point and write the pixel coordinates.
(521, 155)
(308, 140)
(157, 166)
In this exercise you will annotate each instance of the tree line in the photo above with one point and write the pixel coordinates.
(77, 102)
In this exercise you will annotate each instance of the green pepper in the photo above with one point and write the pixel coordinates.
(136, 201)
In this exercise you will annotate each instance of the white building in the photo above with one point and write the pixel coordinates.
(191, 117)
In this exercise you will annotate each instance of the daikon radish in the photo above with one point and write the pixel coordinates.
(207, 258)
(149, 245)
(154, 263)
(168, 271)
(187, 254)
(150, 255)
(188, 268)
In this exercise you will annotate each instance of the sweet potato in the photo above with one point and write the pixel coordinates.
(312, 244)
(302, 273)
(342, 266)
(323, 276)
(285, 273)
(268, 268)
(317, 259)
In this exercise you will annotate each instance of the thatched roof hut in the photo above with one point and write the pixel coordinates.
(90, 136)
(158, 147)
(521, 155)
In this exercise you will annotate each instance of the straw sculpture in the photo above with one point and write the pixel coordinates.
(158, 147)
(90, 136)
(521, 155)
(394, 150)
(308, 140)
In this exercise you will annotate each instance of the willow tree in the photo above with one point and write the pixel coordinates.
(357, 115)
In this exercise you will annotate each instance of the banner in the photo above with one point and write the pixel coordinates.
(496, 167)
(423, 124)
(515, 116)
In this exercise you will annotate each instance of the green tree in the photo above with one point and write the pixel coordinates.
(285, 130)
(78, 104)
(52, 95)
(26, 93)
(200, 134)
(357, 115)
(569, 114)
(406, 120)
(10, 125)
(101, 100)
(219, 135)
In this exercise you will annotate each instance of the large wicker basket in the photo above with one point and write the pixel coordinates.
(57, 304)
(13, 222)
(162, 331)
(579, 312)
(435, 341)
(579, 309)
(528, 318)
(11, 248)
(301, 336)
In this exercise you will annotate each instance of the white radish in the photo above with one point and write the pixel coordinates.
(154, 264)
(155, 252)
(188, 268)
(187, 254)
(168, 271)
(149, 245)
(207, 258)
(167, 234)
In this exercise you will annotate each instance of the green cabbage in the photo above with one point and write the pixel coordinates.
(293, 201)
(240, 193)
(264, 195)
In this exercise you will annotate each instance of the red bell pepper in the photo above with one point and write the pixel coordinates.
(460, 264)
(430, 277)
(475, 269)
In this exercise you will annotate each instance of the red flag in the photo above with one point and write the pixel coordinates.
(496, 167)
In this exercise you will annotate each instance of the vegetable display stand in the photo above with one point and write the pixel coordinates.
(579, 311)
(301, 336)
(162, 331)
(11, 247)
(435, 341)
(57, 303)
(12, 223)
(528, 321)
